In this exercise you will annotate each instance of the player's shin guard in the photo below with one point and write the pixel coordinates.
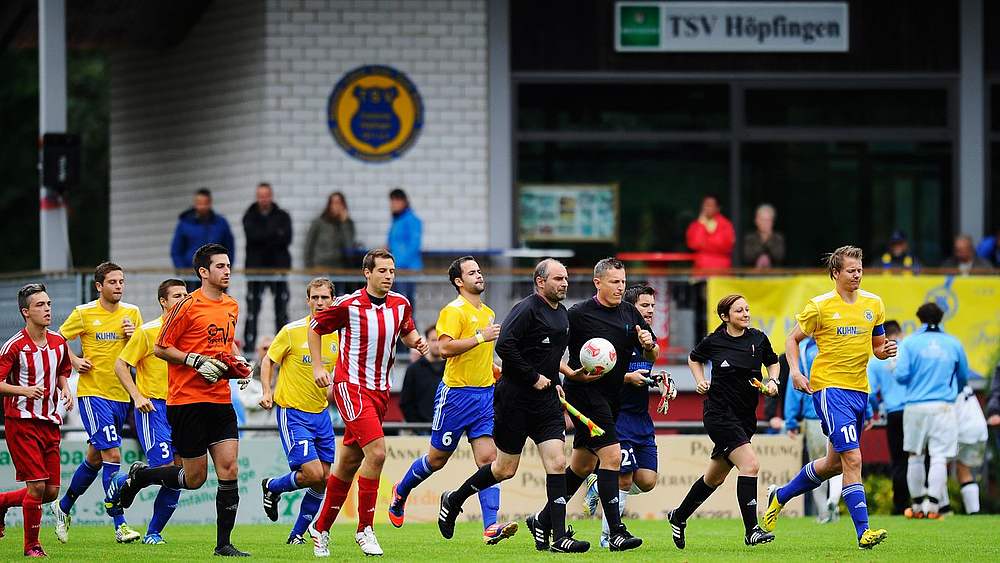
(555, 491)
(367, 496)
(419, 470)
(311, 502)
(163, 509)
(699, 493)
(746, 495)
(227, 501)
(970, 497)
(336, 494)
(83, 477)
(805, 481)
(607, 489)
(31, 508)
(108, 470)
(489, 501)
(854, 498)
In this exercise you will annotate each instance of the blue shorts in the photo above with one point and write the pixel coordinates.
(305, 436)
(637, 438)
(459, 410)
(103, 420)
(153, 431)
(842, 415)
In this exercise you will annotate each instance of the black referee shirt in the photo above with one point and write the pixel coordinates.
(735, 360)
(589, 319)
(532, 341)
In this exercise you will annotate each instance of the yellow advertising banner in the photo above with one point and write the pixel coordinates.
(971, 305)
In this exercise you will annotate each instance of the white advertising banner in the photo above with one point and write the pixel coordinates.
(735, 27)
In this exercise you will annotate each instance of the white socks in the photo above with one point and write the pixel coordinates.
(937, 480)
(970, 497)
(915, 479)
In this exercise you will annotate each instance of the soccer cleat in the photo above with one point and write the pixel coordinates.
(758, 536)
(770, 519)
(911, 514)
(622, 540)
(677, 530)
(498, 532)
(447, 514)
(569, 544)
(229, 550)
(295, 540)
(62, 522)
(396, 507)
(934, 516)
(368, 542)
(121, 492)
(270, 501)
(153, 539)
(125, 534)
(870, 538)
(538, 532)
(591, 499)
(35, 551)
(321, 541)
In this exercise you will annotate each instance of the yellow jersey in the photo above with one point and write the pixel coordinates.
(474, 367)
(102, 339)
(843, 334)
(150, 371)
(296, 388)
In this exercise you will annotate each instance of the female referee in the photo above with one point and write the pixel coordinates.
(736, 352)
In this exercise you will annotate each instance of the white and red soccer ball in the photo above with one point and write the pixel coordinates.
(598, 356)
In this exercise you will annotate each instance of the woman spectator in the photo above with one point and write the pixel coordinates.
(764, 248)
(330, 241)
(711, 237)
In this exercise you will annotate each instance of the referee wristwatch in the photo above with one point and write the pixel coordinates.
(479, 337)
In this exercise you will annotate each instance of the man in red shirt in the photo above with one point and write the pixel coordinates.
(370, 321)
(711, 237)
(34, 365)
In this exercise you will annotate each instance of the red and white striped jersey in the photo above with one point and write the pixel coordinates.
(22, 362)
(368, 334)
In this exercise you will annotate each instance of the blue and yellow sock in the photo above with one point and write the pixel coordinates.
(163, 509)
(419, 470)
(284, 484)
(489, 500)
(83, 477)
(311, 501)
(854, 498)
(109, 468)
(805, 481)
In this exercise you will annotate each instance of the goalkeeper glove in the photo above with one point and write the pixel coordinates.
(209, 368)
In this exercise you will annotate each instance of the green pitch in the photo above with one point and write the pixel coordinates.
(957, 539)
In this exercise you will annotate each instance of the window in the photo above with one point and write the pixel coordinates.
(847, 108)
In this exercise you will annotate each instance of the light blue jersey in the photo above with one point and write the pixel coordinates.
(932, 366)
(882, 381)
(798, 404)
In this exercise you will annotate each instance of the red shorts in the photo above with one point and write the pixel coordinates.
(34, 449)
(363, 410)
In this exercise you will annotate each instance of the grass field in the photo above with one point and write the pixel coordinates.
(957, 539)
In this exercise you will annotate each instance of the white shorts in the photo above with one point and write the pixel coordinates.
(932, 426)
(971, 422)
(972, 455)
(816, 441)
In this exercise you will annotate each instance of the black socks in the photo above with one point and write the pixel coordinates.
(227, 500)
(482, 479)
(699, 493)
(607, 489)
(555, 491)
(171, 476)
(746, 495)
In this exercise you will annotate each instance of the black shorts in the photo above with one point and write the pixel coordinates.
(196, 426)
(728, 431)
(592, 402)
(518, 416)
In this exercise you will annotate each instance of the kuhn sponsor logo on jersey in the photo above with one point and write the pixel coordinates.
(105, 336)
(848, 331)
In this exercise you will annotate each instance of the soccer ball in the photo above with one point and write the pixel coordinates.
(598, 356)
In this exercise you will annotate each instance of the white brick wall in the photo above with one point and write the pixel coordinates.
(243, 99)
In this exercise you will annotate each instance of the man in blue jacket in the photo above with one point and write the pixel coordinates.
(889, 394)
(405, 235)
(933, 367)
(197, 227)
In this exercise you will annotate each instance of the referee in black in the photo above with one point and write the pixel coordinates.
(597, 396)
(737, 353)
(526, 405)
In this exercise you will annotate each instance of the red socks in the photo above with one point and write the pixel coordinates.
(11, 499)
(367, 495)
(336, 494)
(32, 509)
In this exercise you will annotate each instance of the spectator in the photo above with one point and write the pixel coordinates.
(711, 237)
(330, 242)
(268, 230)
(404, 240)
(898, 256)
(989, 249)
(964, 257)
(887, 395)
(421, 381)
(196, 227)
(764, 248)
